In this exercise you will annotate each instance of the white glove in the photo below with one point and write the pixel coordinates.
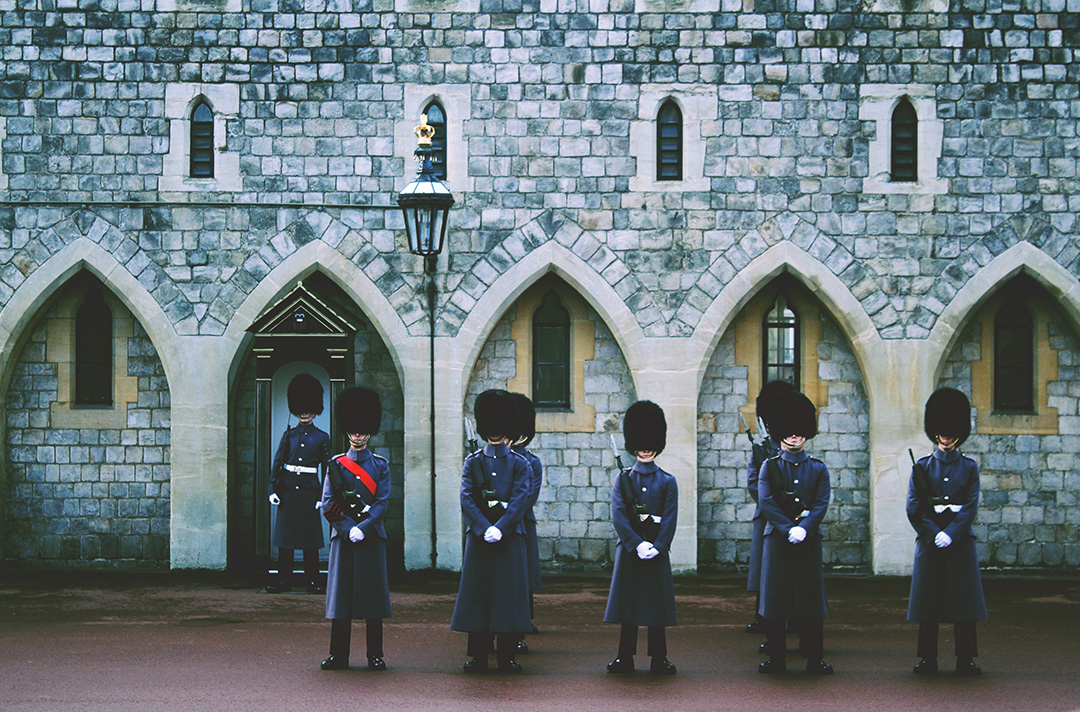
(318, 506)
(796, 535)
(643, 550)
(941, 540)
(652, 553)
(274, 499)
(356, 535)
(492, 535)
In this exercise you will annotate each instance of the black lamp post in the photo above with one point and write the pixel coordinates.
(425, 203)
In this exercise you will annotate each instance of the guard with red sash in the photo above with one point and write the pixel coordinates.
(942, 501)
(644, 512)
(794, 493)
(493, 596)
(527, 414)
(354, 498)
(295, 484)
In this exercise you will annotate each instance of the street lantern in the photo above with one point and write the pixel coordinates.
(425, 202)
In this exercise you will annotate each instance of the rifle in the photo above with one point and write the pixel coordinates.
(470, 435)
(641, 521)
(921, 480)
(488, 502)
(759, 449)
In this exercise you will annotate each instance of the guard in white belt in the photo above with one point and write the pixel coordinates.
(644, 512)
(296, 486)
(943, 499)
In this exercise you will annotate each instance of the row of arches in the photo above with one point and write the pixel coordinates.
(673, 371)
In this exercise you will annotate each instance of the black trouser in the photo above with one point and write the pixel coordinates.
(811, 637)
(964, 634)
(341, 637)
(757, 606)
(480, 643)
(285, 565)
(628, 641)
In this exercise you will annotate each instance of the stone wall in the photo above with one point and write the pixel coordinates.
(91, 496)
(1028, 514)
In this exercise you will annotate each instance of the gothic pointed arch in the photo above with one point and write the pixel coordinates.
(549, 257)
(1024, 257)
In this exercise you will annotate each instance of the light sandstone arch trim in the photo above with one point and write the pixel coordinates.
(1021, 257)
(842, 305)
(46, 279)
(317, 256)
(549, 257)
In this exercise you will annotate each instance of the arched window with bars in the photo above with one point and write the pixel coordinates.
(780, 347)
(1014, 358)
(93, 351)
(551, 354)
(202, 141)
(436, 119)
(669, 142)
(905, 143)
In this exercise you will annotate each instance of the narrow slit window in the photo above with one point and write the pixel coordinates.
(202, 142)
(551, 354)
(905, 143)
(436, 119)
(1014, 358)
(781, 343)
(669, 142)
(93, 351)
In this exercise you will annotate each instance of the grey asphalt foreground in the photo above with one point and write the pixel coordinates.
(76, 641)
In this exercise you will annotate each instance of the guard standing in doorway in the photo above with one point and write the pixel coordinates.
(295, 485)
(794, 494)
(761, 451)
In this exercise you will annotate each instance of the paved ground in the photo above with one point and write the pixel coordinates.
(180, 642)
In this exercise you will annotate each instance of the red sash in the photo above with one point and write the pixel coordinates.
(361, 474)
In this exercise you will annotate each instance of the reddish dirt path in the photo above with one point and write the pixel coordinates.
(74, 641)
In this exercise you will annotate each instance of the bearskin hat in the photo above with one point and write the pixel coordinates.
(948, 412)
(496, 414)
(526, 416)
(645, 428)
(792, 413)
(359, 410)
(305, 395)
(768, 394)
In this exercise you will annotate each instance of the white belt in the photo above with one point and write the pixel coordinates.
(647, 517)
(301, 470)
(940, 508)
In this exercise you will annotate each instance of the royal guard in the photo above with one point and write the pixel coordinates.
(527, 415)
(644, 511)
(794, 493)
(761, 451)
(493, 596)
(942, 501)
(295, 484)
(354, 498)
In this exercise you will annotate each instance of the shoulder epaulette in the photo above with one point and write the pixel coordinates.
(817, 460)
(379, 457)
